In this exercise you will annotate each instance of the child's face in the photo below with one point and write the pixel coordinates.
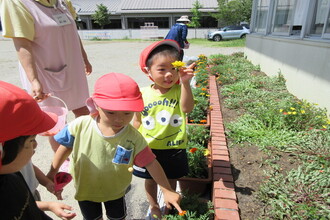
(162, 72)
(23, 157)
(116, 120)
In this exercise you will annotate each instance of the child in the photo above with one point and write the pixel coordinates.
(105, 147)
(21, 119)
(163, 120)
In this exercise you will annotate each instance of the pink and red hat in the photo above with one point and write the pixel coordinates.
(146, 52)
(116, 92)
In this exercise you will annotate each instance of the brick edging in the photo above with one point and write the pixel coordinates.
(224, 196)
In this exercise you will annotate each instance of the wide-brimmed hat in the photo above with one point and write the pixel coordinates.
(183, 18)
(146, 52)
(116, 92)
(20, 115)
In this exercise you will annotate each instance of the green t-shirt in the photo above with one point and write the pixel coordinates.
(163, 122)
(99, 164)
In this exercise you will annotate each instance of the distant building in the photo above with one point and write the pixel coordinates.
(292, 37)
(131, 14)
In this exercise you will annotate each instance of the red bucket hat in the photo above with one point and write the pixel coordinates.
(146, 52)
(20, 114)
(116, 92)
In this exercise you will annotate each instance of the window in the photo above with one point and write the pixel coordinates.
(261, 16)
(283, 16)
(319, 17)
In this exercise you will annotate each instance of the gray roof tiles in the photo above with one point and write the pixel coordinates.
(141, 6)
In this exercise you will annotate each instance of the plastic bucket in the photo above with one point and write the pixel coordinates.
(57, 106)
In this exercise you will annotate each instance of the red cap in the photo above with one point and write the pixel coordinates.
(20, 115)
(117, 92)
(146, 52)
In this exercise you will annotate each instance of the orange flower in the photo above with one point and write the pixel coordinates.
(203, 121)
(204, 89)
(193, 150)
(182, 213)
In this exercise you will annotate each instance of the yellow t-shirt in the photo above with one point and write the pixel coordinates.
(17, 21)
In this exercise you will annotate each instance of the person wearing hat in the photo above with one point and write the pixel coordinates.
(104, 146)
(163, 119)
(21, 119)
(179, 32)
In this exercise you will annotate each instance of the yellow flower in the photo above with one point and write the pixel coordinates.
(324, 126)
(294, 113)
(178, 64)
(289, 113)
(292, 108)
(281, 110)
(328, 122)
(206, 152)
(302, 111)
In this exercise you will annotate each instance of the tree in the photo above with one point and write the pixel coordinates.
(233, 11)
(196, 15)
(101, 15)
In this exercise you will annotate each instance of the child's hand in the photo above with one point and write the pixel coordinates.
(172, 198)
(59, 209)
(187, 73)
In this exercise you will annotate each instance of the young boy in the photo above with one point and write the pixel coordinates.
(105, 147)
(21, 119)
(163, 120)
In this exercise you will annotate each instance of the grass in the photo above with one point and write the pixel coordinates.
(197, 41)
(279, 123)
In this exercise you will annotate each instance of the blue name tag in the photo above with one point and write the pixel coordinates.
(122, 155)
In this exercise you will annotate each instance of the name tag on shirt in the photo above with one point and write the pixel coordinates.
(61, 19)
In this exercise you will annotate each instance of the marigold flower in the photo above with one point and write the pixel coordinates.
(206, 152)
(193, 150)
(281, 110)
(203, 121)
(302, 111)
(289, 113)
(211, 108)
(292, 108)
(294, 113)
(178, 64)
(324, 126)
(182, 213)
(204, 89)
(285, 113)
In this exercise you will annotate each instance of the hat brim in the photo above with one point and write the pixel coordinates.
(183, 20)
(146, 52)
(47, 122)
(121, 105)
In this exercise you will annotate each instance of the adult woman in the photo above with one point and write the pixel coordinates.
(52, 58)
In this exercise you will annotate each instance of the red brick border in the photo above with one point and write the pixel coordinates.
(224, 196)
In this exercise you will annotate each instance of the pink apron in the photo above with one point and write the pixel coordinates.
(57, 52)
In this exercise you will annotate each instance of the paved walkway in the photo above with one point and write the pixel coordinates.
(105, 57)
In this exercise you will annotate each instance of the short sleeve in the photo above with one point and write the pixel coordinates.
(64, 137)
(16, 20)
(144, 157)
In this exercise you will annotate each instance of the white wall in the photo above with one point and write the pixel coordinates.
(137, 34)
(305, 65)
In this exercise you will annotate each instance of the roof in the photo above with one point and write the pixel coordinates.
(87, 7)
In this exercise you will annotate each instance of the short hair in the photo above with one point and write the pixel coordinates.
(163, 50)
(11, 148)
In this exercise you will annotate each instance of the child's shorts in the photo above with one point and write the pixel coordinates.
(174, 162)
(115, 209)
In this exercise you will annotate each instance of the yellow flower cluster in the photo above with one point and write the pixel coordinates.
(178, 64)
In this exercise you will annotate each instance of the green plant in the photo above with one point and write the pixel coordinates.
(198, 134)
(196, 208)
(197, 160)
(199, 114)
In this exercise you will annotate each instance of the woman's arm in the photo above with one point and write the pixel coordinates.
(25, 55)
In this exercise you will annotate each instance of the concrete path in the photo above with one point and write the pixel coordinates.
(107, 56)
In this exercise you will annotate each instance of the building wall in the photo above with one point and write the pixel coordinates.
(138, 33)
(304, 64)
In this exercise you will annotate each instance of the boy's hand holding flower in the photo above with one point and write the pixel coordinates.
(186, 73)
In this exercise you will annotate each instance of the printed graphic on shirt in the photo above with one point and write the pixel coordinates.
(122, 155)
(166, 125)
